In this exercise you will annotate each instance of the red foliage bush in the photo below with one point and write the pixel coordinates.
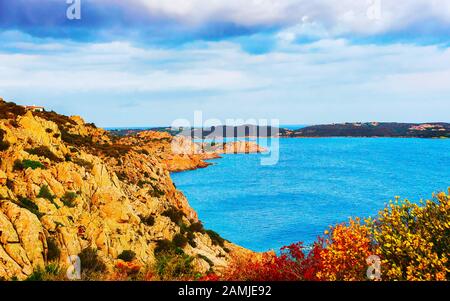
(339, 255)
(290, 265)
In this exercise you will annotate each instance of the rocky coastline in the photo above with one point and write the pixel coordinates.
(180, 153)
(67, 186)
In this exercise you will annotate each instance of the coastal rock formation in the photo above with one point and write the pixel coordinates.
(68, 185)
(180, 153)
(240, 147)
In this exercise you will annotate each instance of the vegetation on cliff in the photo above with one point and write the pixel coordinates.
(70, 188)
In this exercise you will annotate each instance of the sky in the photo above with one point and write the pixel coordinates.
(149, 62)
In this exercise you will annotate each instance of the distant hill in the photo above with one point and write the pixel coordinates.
(375, 129)
(214, 132)
(134, 131)
(368, 129)
(247, 130)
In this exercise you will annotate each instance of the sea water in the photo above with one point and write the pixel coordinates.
(317, 182)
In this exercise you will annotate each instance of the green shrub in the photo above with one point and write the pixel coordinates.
(141, 183)
(43, 151)
(91, 262)
(122, 176)
(10, 184)
(37, 275)
(49, 273)
(69, 198)
(30, 206)
(209, 261)
(197, 227)
(112, 150)
(9, 110)
(191, 239)
(174, 214)
(53, 269)
(179, 240)
(60, 120)
(45, 193)
(14, 123)
(215, 238)
(156, 191)
(4, 145)
(164, 246)
(183, 228)
(74, 139)
(25, 164)
(33, 164)
(127, 255)
(18, 165)
(28, 203)
(148, 220)
(142, 151)
(58, 224)
(83, 163)
(187, 232)
(172, 267)
(53, 251)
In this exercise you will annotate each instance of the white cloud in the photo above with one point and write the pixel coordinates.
(156, 20)
(329, 80)
(344, 16)
(249, 12)
(117, 67)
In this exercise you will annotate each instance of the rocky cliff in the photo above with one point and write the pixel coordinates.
(67, 186)
(180, 153)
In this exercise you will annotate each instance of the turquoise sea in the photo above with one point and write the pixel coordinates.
(316, 183)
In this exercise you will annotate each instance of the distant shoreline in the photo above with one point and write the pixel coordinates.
(437, 130)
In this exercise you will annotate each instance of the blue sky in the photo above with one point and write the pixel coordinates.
(149, 62)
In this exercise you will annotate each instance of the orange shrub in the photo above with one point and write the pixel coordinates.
(346, 248)
(125, 270)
